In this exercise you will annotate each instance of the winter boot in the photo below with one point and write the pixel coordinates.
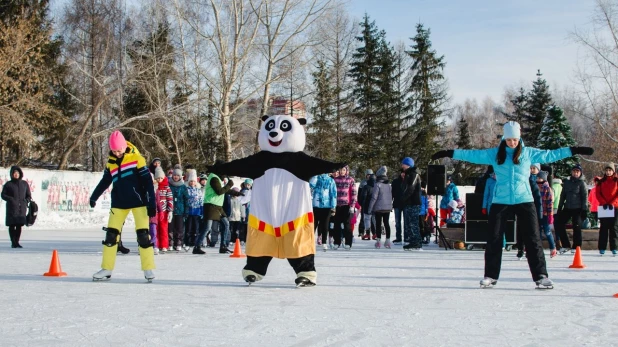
(102, 275)
(366, 237)
(198, 250)
(601, 252)
(224, 250)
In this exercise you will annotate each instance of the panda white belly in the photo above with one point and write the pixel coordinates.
(279, 197)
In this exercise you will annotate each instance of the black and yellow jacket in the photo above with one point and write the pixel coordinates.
(132, 183)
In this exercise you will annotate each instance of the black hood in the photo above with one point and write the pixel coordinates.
(18, 169)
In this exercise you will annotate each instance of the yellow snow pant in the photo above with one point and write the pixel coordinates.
(116, 221)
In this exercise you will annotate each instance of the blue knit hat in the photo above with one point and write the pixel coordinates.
(512, 130)
(408, 161)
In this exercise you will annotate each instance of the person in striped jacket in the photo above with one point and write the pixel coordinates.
(546, 216)
(346, 200)
(165, 206)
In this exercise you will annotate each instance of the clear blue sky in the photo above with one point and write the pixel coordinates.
(488, 44)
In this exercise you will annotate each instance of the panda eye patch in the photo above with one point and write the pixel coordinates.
(270, 125)
(285, 126)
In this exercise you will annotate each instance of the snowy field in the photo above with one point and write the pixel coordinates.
(364, 297)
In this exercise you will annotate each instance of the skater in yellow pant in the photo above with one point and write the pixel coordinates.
(132, 191)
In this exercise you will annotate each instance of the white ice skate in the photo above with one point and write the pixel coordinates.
(186, 248)
(325, 247)
(564, 250)
(149, 275)
(156, 251)
(544, 283)
(102, 275)
(488, 282)
(347, 247)
(388, 244)
(378, 244)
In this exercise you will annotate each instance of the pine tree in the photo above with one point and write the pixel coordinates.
(556, 133)
(538, 102)
(323, 132)
(465, 172)
(364, 72)
(427, 95)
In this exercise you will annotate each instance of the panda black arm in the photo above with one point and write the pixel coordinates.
(251, 167)
(307, 166)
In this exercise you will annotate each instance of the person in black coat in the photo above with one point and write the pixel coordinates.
(16, 193)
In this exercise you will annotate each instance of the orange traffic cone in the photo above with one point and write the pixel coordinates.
(577, 260)
(616, 295)
(54, 268)
(237, 251)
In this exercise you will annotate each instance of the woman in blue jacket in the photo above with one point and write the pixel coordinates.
(512, 195)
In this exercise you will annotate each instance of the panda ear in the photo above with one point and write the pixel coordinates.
(265, 117)
(302, 121)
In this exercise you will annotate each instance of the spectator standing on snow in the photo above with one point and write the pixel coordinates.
(324, 198)
(346, 200)
(450, 193)
(380, 205)
(16, 193)
(397, 191)
(572, 205)
(181, 208)
(607, 196)
(165, 208)
(411, 201)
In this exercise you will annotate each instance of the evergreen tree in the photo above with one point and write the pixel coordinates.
(427, 95)
(465, 172)
(539, 100)
(556, 133)
(323, 133)
(364, 72)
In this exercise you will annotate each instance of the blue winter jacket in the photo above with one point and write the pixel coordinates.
(323, 191)
(424, 205)
(488, 195)
(181, 199)
(451, 193)
(195, 206)
(512, 185)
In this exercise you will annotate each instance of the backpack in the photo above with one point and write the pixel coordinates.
(33, 210)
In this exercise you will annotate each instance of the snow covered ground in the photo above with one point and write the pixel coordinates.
(364, 297)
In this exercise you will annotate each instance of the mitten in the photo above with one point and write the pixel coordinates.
(582, 150)
(443, 154)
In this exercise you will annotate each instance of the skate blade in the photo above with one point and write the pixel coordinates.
(544, 288)
(487, 286)
(149, 280)
(106, 278)
(303, 285)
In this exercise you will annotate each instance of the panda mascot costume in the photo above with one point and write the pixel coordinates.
(280, 222)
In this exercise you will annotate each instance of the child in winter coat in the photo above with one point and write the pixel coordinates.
(181, 209)
(380, 205)
(194, 210)
(547, 205)
(511, 161)
(154, 219)
(165, 207)
(236, 216)
(607, 195)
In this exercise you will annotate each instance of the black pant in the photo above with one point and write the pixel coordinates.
(176, 228)
(528, 221)
(15, 234)
(342, 216)
(235, 231)
(260, 264)
(321, 219)
(383, 217)
(560, 226)
(192, 225)
(609, 227)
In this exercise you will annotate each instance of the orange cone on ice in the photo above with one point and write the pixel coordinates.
(616, 295)
(54, 268)
(577, 260)
(237, 251)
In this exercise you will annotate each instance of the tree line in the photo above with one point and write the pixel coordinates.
(187, 81)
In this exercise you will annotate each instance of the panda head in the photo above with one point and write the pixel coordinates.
(282, 134)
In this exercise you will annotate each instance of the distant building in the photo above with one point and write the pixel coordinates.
(279, 105)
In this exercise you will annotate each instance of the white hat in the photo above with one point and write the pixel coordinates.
(512, 130)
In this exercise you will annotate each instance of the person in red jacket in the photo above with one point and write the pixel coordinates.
(594, 206)
(607, 195)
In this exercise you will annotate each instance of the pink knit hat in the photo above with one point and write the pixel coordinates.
(117, 141)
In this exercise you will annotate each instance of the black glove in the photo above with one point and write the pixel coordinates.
(152, 211)
(230, 183)
(93, 203)
(582, 150)
(443, 154)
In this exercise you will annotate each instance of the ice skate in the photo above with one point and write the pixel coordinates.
(520, 254)
(102, 275)
(397, 242)
(198, 250)
(488, 282)
(378, 244)
(303, 282)
(564, 250)
(156, 251)
(614, 252)
(186, 248)
(149, 275)
(601, 252)
(250, 279)
(544, 283)
(388, 244)
(347, 247)
(325, 247)
(163, 250)
(177, 248)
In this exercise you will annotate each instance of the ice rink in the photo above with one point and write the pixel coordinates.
(364, 297)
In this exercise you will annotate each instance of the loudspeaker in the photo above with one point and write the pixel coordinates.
(436, 179)
(474, 207)
(477, 230)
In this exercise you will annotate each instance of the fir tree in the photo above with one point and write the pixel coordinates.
(465, 172)
(427, 96)
(323, 132)
(538, 102)
(556, 133)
